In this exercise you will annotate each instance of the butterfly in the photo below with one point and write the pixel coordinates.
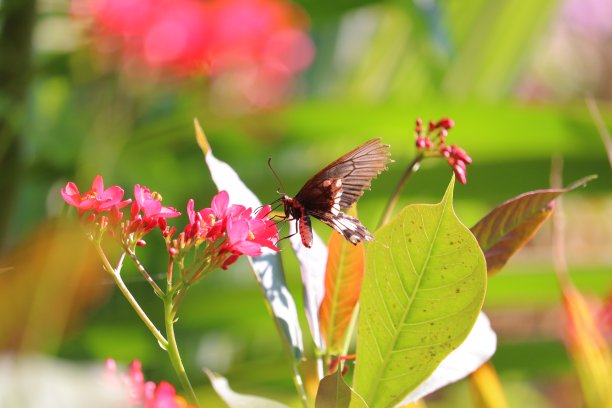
(335, 188)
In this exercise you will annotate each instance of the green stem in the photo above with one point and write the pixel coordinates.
(299, 385)
(144, 273)
(173, 352)
(412, 167)
(116, 274)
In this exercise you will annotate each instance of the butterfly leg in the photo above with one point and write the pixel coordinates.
(296, 229)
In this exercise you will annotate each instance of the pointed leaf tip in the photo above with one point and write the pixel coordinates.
(582, 182)
(448, 194)
(201, 137)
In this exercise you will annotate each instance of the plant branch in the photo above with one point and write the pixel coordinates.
(144, 273)
(412, 168)
(601, 126)
(172, 349)
(115, 273)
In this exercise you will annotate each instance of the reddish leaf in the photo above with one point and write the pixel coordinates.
(53, 279)
(588, 348)
(333, 392)
(343, 277)
(509, 226)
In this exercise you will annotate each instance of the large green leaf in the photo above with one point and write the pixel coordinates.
(424, 285)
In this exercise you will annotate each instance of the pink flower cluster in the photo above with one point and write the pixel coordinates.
(228, 230)
(141, 393)
(432, 143)
(255, 41)
(239, 230)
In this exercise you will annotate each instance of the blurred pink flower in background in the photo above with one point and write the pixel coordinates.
(141, 393)
(251, 49)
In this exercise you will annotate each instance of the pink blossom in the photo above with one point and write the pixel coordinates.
(251, 49)
(154, 213)
(97, 199)
(234, 229)
(141, 393)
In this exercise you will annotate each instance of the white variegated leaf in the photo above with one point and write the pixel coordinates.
(236, 400)
(312, 265)
(478, 347)
(268, 267)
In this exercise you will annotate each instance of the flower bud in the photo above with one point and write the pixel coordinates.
(419, 122)
(446, 151)
(446, 123)
(172, 251)
(421, 142)
(141, 243)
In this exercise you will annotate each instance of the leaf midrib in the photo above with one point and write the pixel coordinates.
(387, 354)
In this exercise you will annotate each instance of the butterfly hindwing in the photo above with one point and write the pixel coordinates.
(350, 227)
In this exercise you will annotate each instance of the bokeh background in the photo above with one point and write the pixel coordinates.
(112, 87)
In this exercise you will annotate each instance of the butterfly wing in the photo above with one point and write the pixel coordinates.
(338, 186)
(350, 227)
(355, 171)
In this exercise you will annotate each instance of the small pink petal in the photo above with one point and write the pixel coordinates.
(237, 230)
(190, 211)
(98, 185)
(219, 204)
(248, 248)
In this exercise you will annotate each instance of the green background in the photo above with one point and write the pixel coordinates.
(517, 101)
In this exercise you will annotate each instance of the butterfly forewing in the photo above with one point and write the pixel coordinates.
(337, 187)
(356, 169)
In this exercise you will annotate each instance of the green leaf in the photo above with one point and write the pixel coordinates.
(505, 230)
(333, 392)
(424, 285)
(236, 400)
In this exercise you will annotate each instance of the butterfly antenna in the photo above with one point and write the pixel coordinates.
(276, 175)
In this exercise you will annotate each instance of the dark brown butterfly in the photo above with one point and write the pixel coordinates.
(335, 188)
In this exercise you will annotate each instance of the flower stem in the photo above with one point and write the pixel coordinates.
(115, 273)
(173, 352)
(144, 273)
(299, 385)
(412, 167)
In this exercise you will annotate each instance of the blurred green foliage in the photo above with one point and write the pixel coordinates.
(379, 65)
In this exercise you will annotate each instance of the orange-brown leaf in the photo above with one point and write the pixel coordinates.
(511, 225)
(343, 277)
(487, 388)
(590, 352)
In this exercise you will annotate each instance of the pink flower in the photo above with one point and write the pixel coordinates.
(200, 222)
(97, 199)
(154, 213)
(141, 393)
(251, 49)
(233, 229)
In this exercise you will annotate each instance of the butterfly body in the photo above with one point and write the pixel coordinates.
(335, 188)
